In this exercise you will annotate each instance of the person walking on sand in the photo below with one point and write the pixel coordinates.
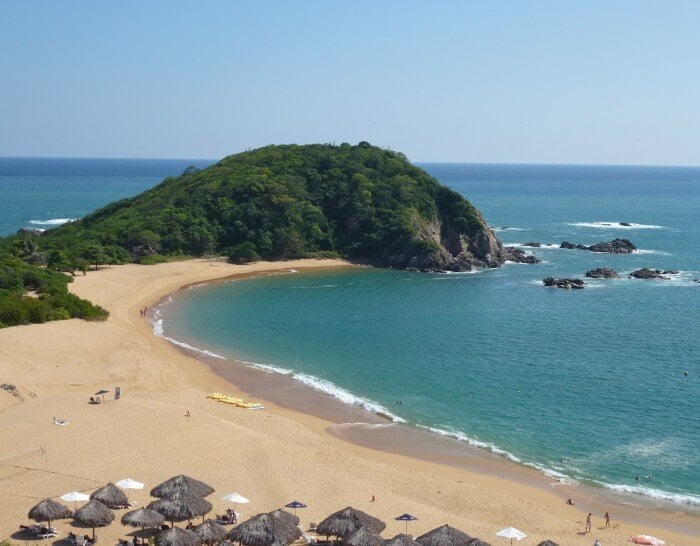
(588, 523)
(597, 542)
(606, 517)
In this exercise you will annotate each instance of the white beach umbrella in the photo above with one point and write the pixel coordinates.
(235, 498)
(128, 483)
(511, 533)
(75, 496)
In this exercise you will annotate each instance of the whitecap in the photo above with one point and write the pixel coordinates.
(508, 228)
(614, 225)
(677, 498)
(158, 330)
(52, 221)
(493, 448)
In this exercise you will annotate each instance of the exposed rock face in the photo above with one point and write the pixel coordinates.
(602, 273)
(576, 284)
(512, 254)
(572, 246)
(616, 246)
(626, 224)
(533, 244)
(646, 273)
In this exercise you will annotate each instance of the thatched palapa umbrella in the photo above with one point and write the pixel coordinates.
(93, 514)
(548, 543)
(402, 540)
(181, 506)
(364, 536)
(181, 483)
(264, 530)
(177, 537)
(346, 521)
(48, 510)
(111, 496)
(478, 542)
(286, 525)
(210, 532)
(143, 517)
(444, 536)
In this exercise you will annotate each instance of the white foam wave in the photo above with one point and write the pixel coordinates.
(51, 221)
(614, 225)
(678, 498)
(345, 396)
(493, 448)
(327, 387)
(508, 228)
(371, 426)
(158, 330)
(647, 251)
(545, 246)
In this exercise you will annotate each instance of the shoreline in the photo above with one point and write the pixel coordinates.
(160, 384)
(380, 430)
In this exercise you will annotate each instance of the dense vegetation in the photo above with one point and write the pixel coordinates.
(357, 202)
(29, 293)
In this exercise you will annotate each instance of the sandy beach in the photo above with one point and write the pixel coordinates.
(271, 456)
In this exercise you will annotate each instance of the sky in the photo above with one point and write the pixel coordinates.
(465, 81)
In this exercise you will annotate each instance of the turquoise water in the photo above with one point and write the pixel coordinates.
(584, 385)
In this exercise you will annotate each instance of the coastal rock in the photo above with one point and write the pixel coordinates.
(576, 284)
(571, 246)
(29, 231)
(616, 246)
(602, 273)
(625, 224)
(512, 254)
(532, 244)
(646, 273)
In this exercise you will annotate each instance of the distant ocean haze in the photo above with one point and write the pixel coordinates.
(585, 385)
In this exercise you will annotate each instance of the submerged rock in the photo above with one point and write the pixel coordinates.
(512, 254)
(602, 273)
(533, 244)
(626, 224)
(564, 283)
(572, 246)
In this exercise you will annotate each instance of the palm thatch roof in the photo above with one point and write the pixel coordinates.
(348, 520)
(364, 536)
(93, 514)
(181, 483)
(284, 517)
(548, 543)
(478, 542)
(402, 540)
(444, 536)
(285, 525)
(181, 506)
(226, 543)
(210, 532)
(177, 537)
(143, 517)
(48, 510)
(110, 495)
(264, 530)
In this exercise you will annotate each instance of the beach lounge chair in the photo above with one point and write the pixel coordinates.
(47, 532)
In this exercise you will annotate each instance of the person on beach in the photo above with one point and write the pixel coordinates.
(597, 543)
(588, 523)
(606, 517)
(570, 502)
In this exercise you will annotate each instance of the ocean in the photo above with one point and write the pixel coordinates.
(586, 386)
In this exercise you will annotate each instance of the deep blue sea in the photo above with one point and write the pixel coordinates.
(585, 385)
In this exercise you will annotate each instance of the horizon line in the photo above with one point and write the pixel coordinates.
(432, 161)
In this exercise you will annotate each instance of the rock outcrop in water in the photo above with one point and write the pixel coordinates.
(512, 254)
(616, 246)
(602, 273)
(646, 273)
(576, 284)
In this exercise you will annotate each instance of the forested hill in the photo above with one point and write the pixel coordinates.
(359, 202)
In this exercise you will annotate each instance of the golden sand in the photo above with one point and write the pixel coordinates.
(271, 456)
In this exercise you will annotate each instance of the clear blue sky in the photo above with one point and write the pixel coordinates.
(520, 81)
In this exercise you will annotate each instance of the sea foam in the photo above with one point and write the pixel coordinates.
(52, 221)
(613, 225)
(677, 498)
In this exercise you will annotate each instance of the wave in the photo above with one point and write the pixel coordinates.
(493, 448)
(614, 225)
(158, 330)
(677, 498)
(508, 228)
(52, 221)
(543, 246)
(649, 251)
